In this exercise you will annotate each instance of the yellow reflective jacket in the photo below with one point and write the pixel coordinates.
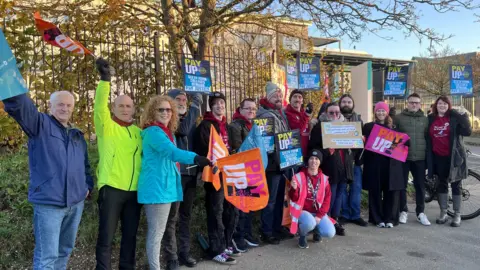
(119, 147)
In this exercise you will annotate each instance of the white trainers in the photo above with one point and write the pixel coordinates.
(422, 218)
(381, 225)
(389, 225)
(403, 217)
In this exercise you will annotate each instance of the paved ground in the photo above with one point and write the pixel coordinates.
(409, 246)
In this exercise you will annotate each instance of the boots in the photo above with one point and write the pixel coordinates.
(457, 204)
(443, 203)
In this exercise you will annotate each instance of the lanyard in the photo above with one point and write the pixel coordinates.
(313, 191)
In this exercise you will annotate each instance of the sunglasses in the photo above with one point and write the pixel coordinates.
(162, 110)
(334, 113)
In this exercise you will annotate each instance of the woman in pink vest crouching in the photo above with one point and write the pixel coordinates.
(310, 202)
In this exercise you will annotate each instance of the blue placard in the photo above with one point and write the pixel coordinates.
(267, 129)
(395, 81)
(11, 81)
(197, 77)
(309, 73)
(253, 140)
(289, 150)
(292, 74)
(461, 79)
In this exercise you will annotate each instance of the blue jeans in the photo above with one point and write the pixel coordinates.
(351, 198)
(336, 199)
(307, 223)
(55, 229)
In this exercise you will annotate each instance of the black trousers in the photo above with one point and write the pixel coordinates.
(417, 168)
(115, 204)
(244, 226)
(222, 218)
(442, 170)
(180, 213)
(230, 220)
(382, 202)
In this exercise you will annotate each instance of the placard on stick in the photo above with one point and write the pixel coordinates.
(342, 135)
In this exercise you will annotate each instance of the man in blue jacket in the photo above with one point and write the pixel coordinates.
(181, 211)
(59, 175)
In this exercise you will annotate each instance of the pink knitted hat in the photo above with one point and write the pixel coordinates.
(382, 105)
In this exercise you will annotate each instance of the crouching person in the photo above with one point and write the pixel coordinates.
(310, 202)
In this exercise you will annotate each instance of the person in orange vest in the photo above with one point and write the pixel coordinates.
(310, 201)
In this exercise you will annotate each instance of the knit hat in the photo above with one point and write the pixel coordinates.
(315, 153)
(271, 89)
(215, 95)
(294, 91)
(382, 105)
(173, 93)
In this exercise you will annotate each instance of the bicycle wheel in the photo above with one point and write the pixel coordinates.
(470, 197)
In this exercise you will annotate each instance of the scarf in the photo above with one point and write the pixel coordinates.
(122, 123)
(222, 124)
(168, 132)
(239, 116)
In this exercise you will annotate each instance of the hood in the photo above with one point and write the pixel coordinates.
(324, 118)
(210, 117)
(419, 113)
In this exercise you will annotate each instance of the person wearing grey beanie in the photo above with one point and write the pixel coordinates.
(271, 107)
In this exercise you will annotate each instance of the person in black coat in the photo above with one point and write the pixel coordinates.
(446, 155)
(382, 176)
(338, 164)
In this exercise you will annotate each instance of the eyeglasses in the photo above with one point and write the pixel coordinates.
(162, 110)
(250, 109)
(334, 113)
(413, 103)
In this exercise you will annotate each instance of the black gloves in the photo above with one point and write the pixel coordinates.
(202, 161)
(104, 69)
(309, 108)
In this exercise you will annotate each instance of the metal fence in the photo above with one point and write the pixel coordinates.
(143, 63)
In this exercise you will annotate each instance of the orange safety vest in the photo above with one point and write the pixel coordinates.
(297, 207)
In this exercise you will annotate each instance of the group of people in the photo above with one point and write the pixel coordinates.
(150, 166)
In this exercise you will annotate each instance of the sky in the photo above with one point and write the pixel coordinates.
(461, 24)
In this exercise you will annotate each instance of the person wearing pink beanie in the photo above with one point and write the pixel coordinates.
(382, 176)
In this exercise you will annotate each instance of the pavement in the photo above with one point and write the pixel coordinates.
(407, 246)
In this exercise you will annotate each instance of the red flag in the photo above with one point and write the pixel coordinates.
(53, 36)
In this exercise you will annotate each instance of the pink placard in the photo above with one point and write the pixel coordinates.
(387, 142)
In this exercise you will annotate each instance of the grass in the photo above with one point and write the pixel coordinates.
(16, 233)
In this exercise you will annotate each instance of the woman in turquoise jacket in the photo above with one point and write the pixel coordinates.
(160, 182)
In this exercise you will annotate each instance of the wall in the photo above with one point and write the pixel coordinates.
(362, 90)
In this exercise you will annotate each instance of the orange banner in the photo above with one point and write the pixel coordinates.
(286, 218)
(216, 151)
(244, 181)
(53, 36)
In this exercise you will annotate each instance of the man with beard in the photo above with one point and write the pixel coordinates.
(338, 164)
(352, 197)
(271, 106)
(298, 117)
(181, 211)
(237, 132)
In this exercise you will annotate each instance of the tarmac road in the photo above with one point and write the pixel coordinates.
(407, 246)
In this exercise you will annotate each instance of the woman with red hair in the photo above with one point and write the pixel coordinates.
(446, 156)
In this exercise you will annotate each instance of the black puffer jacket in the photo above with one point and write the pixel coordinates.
(237, 132)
